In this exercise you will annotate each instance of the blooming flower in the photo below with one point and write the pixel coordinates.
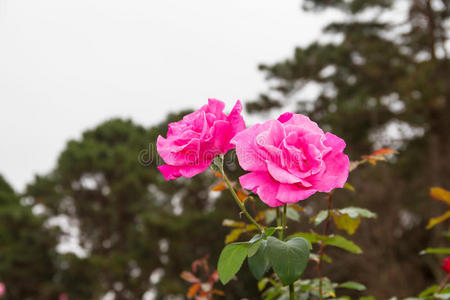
(2, 289)
(193, 142)
(290, 159)
(446, 265)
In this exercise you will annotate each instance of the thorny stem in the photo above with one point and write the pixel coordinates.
(321, 252)
(236, 198)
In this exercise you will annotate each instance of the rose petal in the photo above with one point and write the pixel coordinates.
(334, 142)
(335, 174)
(263, 185)
(291, 193)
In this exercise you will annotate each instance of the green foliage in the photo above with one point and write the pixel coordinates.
(259, 263)
(288, 259)
(332, 240)
(230, 260)
(27, 249)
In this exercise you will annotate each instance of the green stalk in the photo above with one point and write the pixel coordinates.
(291, 292)
(280, 234)
(291, 286)
(236, 198)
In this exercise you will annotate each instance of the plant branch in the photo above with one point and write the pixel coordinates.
(236, 198)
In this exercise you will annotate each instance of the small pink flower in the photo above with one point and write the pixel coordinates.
(193, 142)
(446, 265)
(290, 159)
(2, 289)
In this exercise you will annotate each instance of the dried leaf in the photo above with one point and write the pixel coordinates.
(384, 151)
(242, 195)
(440, 194)
(189, 277)
(218, 292)
(193, 290)
(219, 187)
(434, 221)
(217, 174)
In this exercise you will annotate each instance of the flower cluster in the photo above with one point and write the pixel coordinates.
(288, 159)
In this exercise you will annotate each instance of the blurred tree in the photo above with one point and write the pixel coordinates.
(133, 224)
(382, 79)
(27, 250)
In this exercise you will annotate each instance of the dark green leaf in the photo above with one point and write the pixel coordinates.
(288, 259)
(254, 247)
(258, 263)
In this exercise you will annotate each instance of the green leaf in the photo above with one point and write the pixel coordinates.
(292, 214)
(435, 251)
(334, 240)
(356, 212)
(230, 260)
(269, 231)
(253, 248)
(320, 217)
(352, 285)
(343, 243)
(258, 263)
(288, 259)
(429, 291)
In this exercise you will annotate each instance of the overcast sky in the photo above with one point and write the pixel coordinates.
(66, 66)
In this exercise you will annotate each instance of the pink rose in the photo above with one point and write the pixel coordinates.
(193, 142)
(290, 159)
(2, 289)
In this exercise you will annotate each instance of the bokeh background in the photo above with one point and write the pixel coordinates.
(87, 86)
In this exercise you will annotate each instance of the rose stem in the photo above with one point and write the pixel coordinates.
(322, 245)
(291, 286)
(280, 235)
(236, 198)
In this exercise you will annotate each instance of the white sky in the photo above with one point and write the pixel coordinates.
(66, 66)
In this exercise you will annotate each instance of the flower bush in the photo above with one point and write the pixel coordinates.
(288, 160)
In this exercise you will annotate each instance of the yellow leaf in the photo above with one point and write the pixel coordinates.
(233, 223)
(233, 235)
(219, 187)
(440, 194)
(345, 222)
(348, 186)
(434, 221)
